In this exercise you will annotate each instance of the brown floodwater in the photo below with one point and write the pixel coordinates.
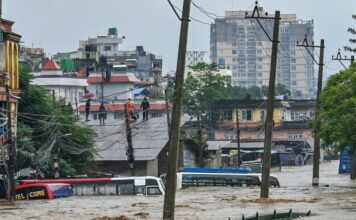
(335, 198)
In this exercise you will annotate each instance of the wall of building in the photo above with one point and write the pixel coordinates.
(152, 167)
(121, 91)
(242, 45)
(122, 167)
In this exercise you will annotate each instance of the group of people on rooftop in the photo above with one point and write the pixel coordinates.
(130, 108)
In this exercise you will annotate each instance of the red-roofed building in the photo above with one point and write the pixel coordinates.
(51, 65)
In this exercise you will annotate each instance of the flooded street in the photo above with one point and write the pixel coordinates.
(334, 199)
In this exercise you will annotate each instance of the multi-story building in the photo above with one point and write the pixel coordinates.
(146, 66)
(243, 46)
(69, 86)
(9, 76)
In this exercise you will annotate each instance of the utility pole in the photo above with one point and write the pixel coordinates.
(316, 156)
(129, 149)
(266, 167)
(201, 158)
(171, 184)
(10, 146)
(238, 139)
(167, 110)
(339, 58)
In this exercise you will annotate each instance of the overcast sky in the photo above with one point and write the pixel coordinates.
(58, 25)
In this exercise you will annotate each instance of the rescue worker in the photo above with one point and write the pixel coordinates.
(129, 108)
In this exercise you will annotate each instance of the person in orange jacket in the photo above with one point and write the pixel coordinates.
(129, 107)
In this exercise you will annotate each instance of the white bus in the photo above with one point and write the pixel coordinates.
(136, 185)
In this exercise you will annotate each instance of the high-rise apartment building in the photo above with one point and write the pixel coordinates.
(242, 45)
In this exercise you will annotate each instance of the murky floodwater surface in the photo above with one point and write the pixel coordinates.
(335, 198)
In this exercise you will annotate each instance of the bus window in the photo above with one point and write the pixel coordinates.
(111, 189)
(153, 191)
(126, 189)
(100, 190)
(21, 194)
(140, 190)
(151, 182)
(88, 190)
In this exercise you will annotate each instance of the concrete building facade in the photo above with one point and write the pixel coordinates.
(241, 45)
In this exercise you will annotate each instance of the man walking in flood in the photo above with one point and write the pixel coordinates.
(145, 106)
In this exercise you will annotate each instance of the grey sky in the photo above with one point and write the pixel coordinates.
(58, 25)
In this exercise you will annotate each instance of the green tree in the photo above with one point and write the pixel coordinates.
(282, 89)
(202, 86)
(352, 40)
(44, 125)
(336, 123)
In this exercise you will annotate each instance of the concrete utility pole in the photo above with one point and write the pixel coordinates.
(129, 149)
(201, 158)
(11, 147)
(339, 58)
(238, 138)
(171, 184)
(316, 156)
(167, 110)
(266, 168)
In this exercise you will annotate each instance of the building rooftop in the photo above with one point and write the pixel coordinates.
(148, 139)
(51, 65)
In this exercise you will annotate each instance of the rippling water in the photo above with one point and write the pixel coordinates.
(334, 199)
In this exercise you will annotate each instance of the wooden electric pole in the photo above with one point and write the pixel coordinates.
(171, 184)
(129, 149)
(316, 155)
(266, 167)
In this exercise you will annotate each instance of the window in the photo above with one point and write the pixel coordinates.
(259, 59)
(259, 74)
(247, 115)
(233, 51)
(259, 51)
(293, 60)
(259, 67)
(227, 115)
(107, 48)
(293, 67)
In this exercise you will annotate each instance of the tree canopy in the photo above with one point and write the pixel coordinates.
(351, 40)
(45, 125)
(337, 122)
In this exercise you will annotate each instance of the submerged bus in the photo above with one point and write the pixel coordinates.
(138, 185)
(189, 179)
(37, 191)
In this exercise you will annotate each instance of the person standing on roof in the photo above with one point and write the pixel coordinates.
(87, 109)
(129, 108)
(145, 105)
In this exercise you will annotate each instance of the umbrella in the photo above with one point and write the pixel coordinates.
(88, 95)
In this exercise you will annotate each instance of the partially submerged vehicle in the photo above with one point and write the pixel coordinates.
(136, 185)
(37, 191)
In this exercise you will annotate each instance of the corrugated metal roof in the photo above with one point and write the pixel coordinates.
(148, 139)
